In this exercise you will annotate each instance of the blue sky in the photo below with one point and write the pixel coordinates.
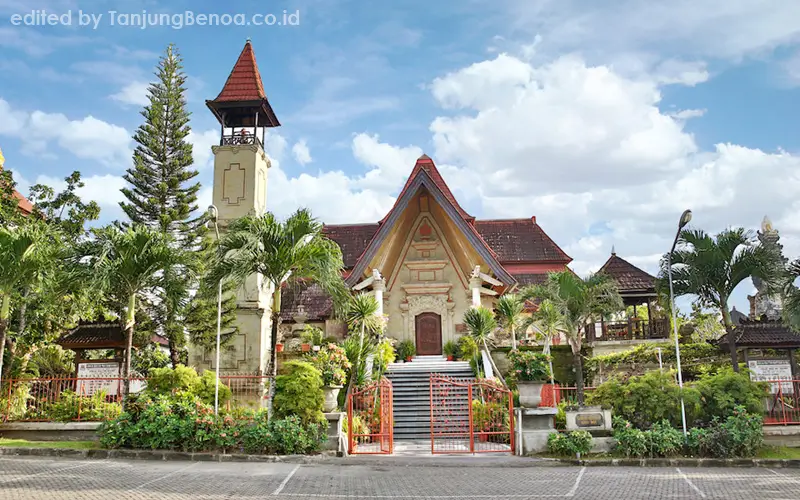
(603, 119)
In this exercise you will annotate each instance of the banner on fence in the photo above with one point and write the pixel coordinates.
(769, 370)
(105, 376)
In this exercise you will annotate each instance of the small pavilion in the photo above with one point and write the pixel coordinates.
(764, 334)
(637, 288)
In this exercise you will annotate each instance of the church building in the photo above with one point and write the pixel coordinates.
(426, 261)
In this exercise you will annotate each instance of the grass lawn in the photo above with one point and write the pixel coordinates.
(21, 443)
(782, 452)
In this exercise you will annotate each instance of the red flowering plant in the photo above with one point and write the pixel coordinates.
(527, 366)
(332, 362)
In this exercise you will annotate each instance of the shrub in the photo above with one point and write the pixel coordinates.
(184, 380)
(630, 441)
(71, 406)
(450, 348)
(490, 416)
(384, 355)
(360, 429)
(406, 349)
(467, 348)
(740, 435)
(721, 393)
(663, 440)
(646, 399)
(332, 363)
(311, 335)
(299, 392)
(574, 443)
(283, 436)
(529, 366)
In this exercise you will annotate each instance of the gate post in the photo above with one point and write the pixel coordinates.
(471, 422)
(350, 444)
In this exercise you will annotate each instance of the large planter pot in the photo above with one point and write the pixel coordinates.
(530, 393)
(331, 398)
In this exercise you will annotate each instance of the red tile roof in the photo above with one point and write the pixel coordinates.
(244, 82)
(352, 239)
(629, 278)
(425, 163)
(520, 240)
(25, 206)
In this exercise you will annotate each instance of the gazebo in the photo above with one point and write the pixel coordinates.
(637, 288)
(766, 335)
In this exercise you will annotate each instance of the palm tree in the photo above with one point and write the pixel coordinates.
(361, 315)
(712, 267)
(26, 250)
(481, 324)
(509, 310)
(547, 321)
(577, 301)
(281, 252)
(791, 296)
(124, 264)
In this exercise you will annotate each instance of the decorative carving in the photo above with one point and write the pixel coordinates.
(233, 184)
(426, 303)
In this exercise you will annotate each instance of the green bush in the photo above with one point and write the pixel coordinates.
(572, 444)
(450, 348)
(184, 380)
(384, 355)
(646, 399)
(563, 362)
(71, 406)
(299, 392)
(630, 441)
(663, 440)
(739, 435)
(332, 363)
(186, 424)
(529, 366)
(467, 348)
(721, 393)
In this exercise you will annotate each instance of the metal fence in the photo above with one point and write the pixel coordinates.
(72, 399)
(554, 394)
(782, 405)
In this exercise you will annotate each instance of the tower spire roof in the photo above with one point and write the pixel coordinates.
(242, 97)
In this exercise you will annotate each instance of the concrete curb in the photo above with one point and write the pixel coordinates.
(330, 458)
(160, 455)
(685, 462)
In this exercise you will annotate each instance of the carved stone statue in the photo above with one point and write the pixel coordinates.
(763, 304)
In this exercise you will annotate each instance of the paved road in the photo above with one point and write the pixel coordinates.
(40, 478)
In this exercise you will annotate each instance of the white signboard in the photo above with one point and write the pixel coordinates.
(770, 370)
(96, 377)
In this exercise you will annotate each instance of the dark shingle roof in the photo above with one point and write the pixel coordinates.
(99, 335)
(762, 333)
(520, 240)
(352, 239)
(629, 278)
(318, 304)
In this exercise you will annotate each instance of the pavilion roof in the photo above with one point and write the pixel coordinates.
(762, 333)
(630, 279)
(25, 206)
(99, 335)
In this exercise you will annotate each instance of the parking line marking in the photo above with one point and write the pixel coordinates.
(163, 477)
(784, 476)
(690, 483)
(46, 472)
(285, 481)
(571, 493)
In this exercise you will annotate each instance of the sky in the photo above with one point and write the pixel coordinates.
(604, 119)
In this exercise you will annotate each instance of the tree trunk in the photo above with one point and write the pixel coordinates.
(494, 367)
(726, 319)
(5, 309)
(513, 339)
(130, 322)
(273, 355)
(578, 361)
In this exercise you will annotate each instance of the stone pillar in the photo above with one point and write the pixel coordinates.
(379, 286)
(475, 286)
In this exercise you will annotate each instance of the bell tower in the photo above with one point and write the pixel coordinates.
(240, 188)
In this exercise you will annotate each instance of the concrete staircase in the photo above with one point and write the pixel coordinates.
(411, 389)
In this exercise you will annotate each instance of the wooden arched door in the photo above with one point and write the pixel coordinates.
(429, 334)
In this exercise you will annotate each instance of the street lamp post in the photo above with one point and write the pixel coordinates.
(685, 218)
(214, 215)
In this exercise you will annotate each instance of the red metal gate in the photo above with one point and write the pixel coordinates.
(471, 416)
(370, 419)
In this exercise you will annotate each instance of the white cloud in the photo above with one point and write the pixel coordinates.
(301, 152)
(133, 94)
(201, 147)
(389, 165)
(103, 189)
(86, 138)
(686, 114)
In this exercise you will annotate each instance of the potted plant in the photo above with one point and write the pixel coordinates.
(406, 350)
(450, 350)
(532, 372)
(310, 336)
(278, 347)
(332, 362)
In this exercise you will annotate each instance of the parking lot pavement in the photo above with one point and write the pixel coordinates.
(38, 478)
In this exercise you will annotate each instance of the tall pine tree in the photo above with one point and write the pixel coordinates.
(163, 193)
